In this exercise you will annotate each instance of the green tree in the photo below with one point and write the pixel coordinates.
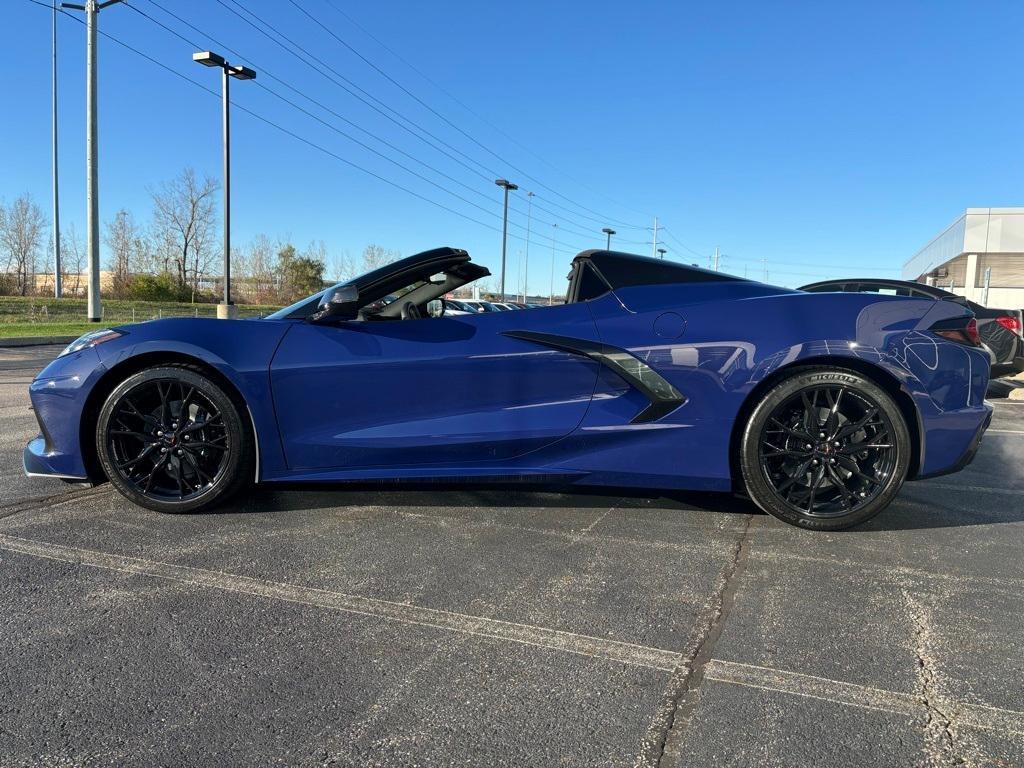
(299, 275)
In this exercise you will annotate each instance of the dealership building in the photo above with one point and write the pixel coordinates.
(980, 256)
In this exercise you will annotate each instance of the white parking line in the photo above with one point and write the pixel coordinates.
(851, 694)
(1004, 431)
(968, 488)
(526, 634)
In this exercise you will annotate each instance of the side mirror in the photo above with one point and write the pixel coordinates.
(436, 307)
(341, 303)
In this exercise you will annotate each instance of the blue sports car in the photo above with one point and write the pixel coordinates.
(652, 375)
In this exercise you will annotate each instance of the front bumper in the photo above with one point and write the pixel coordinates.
(59, 395)
(40, 462)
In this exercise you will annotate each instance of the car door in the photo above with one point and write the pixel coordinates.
(429, 391)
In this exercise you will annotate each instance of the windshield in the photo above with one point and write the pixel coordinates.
(417, 279)
(313, 301)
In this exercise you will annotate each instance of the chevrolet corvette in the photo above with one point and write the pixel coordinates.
(652, 375)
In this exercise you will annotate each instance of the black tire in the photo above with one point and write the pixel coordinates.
(171, 439)
(825, 449)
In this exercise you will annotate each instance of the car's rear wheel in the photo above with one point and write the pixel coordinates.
(171, 439)
(825, 449)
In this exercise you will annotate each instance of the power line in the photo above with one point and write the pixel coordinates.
(680, 243)
(287, 131)
(470, 110)
(759, 260)
(348, 136)
(337, 115)
(447, 121)
(304, 55)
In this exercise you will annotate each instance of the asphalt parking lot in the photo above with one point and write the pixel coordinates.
(504, 627)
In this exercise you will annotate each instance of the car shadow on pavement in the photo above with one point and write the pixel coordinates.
(917, 507)
(285, 497)
(913, 511)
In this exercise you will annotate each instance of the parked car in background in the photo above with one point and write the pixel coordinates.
(1002, 330)
(476, 305)
(458, 307)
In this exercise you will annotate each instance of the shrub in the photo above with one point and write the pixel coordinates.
(158, 288)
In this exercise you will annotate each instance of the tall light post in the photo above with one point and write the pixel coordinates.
(57, 289)
(526, 265)
(507, 186)
(551, 291)
(662, 252)
(92, 193)
(210, 59)
(608, 231)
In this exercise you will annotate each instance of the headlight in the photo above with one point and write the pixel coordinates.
(90, 339)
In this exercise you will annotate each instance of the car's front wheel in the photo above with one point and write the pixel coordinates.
(171, 439)
(825, 449)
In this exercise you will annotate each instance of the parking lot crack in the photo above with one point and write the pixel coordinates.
(683, 691)
(941, 748)
(50, 500)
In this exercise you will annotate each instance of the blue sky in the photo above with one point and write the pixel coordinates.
(825, 138)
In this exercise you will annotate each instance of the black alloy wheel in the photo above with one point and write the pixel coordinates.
(825, 449)
(172, 440)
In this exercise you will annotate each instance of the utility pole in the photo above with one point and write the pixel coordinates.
(608, 231)
(226, 309)
(526, 265)
(507, 186)
(551, 290)
(654, 250)
(764, 263)
(662, 252)
(57, 287)
(715, 267)
(92, 192)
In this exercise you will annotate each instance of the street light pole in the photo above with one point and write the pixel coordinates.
(225, 81)
(92, 200)
(507, 186)
(57, 287)
(526, 265)
(210, 59)
(551, 291)
(608, 231)
(662, 252)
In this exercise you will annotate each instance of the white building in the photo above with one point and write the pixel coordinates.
(982, 245)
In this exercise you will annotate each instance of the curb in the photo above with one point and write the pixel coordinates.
(35, 341)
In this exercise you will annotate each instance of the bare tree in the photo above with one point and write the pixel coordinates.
(184, 219)
(72, 261)
(374, 256)
(46, 286)
(21, 234)
(123, 241)
(261, 268)
(340, 267)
